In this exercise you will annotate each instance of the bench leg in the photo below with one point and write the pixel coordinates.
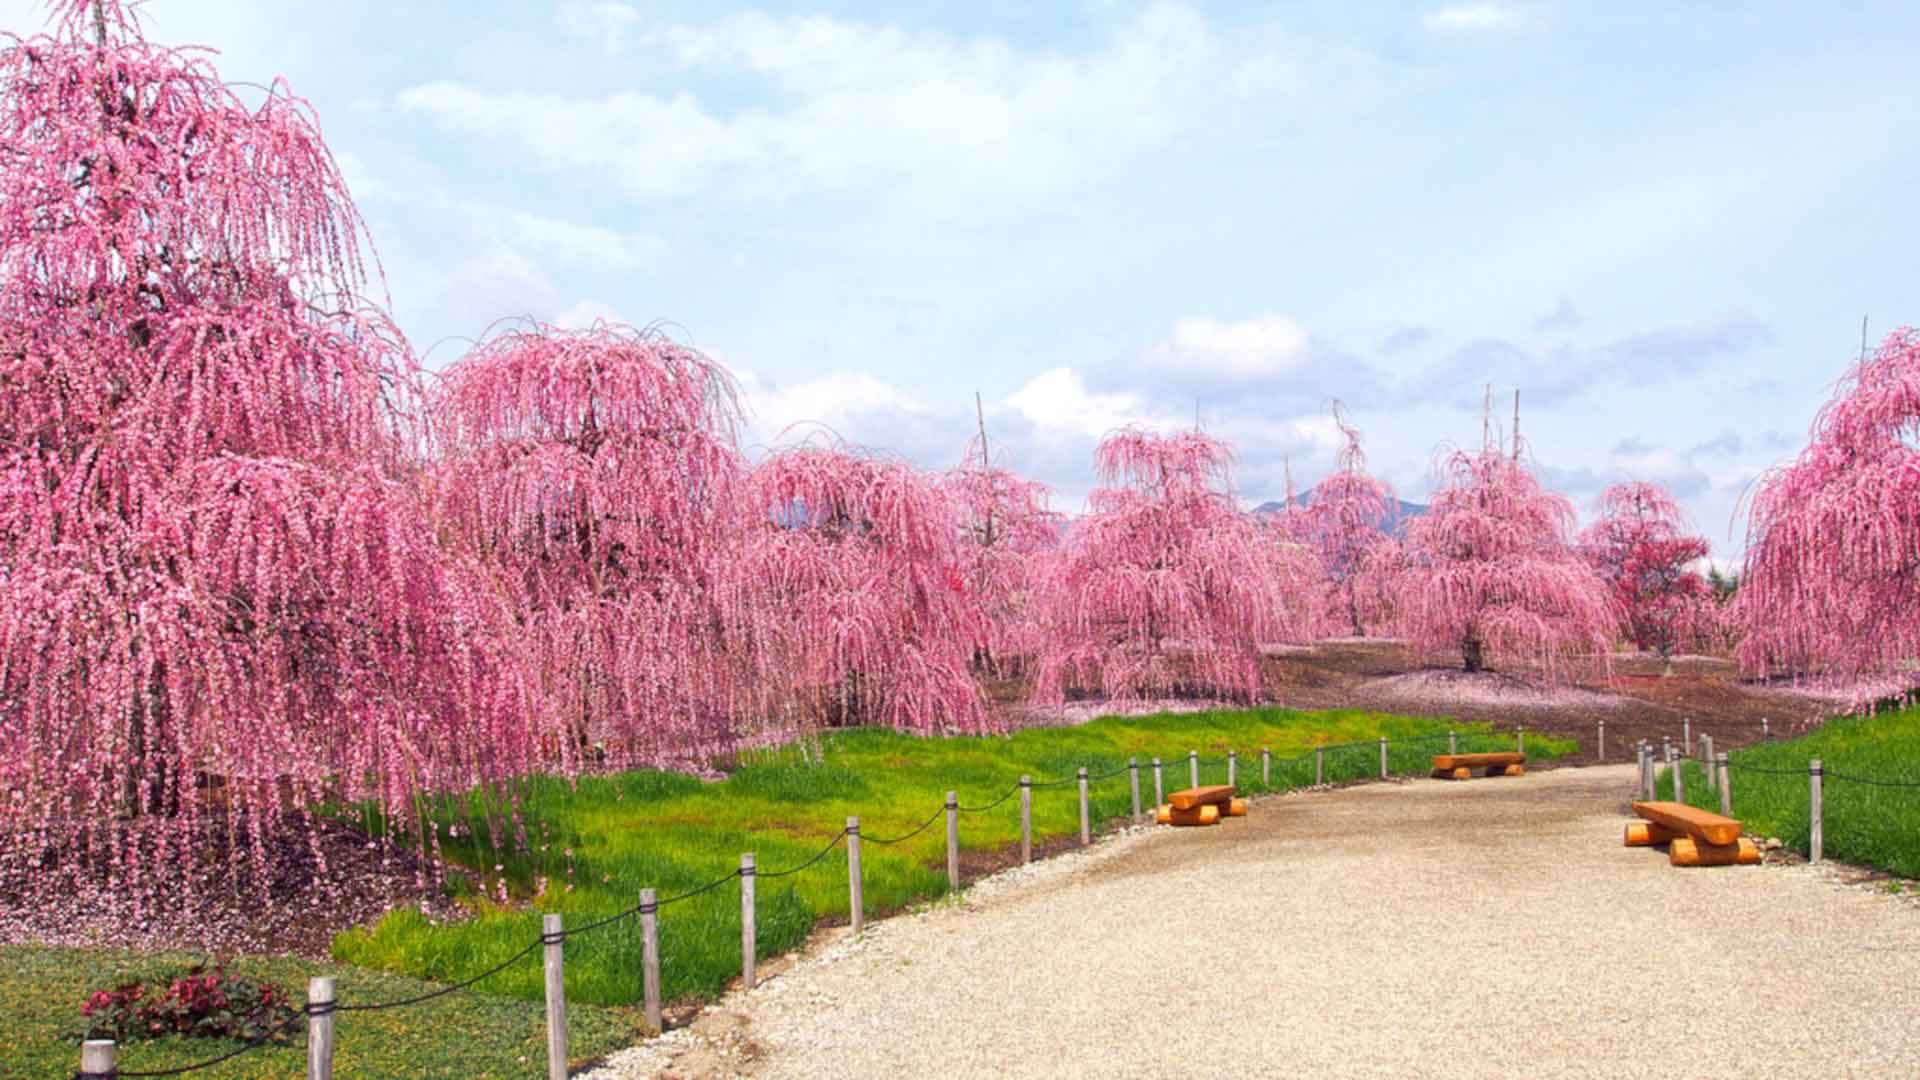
(1688, 851)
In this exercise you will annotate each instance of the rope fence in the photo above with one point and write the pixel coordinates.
(98, 1057)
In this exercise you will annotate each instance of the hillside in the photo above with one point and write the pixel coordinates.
(1396, 522)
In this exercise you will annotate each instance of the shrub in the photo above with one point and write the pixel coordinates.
(199, 1002)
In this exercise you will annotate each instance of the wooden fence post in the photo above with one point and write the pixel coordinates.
(551, 938)
(1233, 768)
(1383, 757)
(1766, 732)
(1726, 789)
(749, 931)
(1453, 743)
(1686, 733)
(1707, 756)
(1193, 767)
(1159, 790)
(1266, 766)
(320, 1027)
(953, 840)
(1601, 753)
(1133, 782)
(1026, 818)
(1086, 829)
(1520, 741)
(1319, 765)
(1816, 836)
(853, 874)
(97, 1059)
(1678, 766)
(650, 957)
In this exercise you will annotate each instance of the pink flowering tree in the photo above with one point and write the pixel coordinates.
(1166, 587)
(855, 563)
(1833, 539)
(593, 476)
(1491, 571)
(1345, 524)
(1008, 536)
(219, 592)
(1639, 548)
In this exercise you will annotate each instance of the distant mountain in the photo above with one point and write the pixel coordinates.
(1397, 526)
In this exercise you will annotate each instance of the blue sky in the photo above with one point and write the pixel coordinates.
(1662, 223)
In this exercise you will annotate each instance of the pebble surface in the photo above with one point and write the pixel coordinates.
(1425, 928)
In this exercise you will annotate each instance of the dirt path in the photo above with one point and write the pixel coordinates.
(1423, 928)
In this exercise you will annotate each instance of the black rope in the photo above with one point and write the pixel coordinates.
(642, 908)
(1738, 767)
(1010, 794)
(255, 1044)
(627, 914)
(922, 827)
(1870, 781)
(1109, 775)
(1848, 777)
(442, 991)
(712, 885)
(1055, 783)
(831, 844)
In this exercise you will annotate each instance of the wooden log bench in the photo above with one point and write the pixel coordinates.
(1461, 766)
(1209, 795)
(1694, 837)
(1207, 805)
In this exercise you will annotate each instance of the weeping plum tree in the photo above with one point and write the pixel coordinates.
(594, 476)
(218, 589)
(1166, 586)
(1491, 572)
(1638, 548)
(1831, 585)
(1007, 538)
(1345, 524)
(855, 562)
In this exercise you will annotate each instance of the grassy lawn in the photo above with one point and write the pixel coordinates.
(1866, 825)
(459, 1035)
(611, 836)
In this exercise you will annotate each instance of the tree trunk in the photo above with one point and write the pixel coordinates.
(1470, 652)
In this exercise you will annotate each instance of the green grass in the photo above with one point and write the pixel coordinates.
(674, 833)
(456, 1036)
(1865, 825)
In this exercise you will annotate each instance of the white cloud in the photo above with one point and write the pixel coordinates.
(359, 179)
(606, 22)
(860, 103)
(1483, 16)
(1058, 401)
(1319, 433)
(569, 243)
(1261, 346)
(833, 400)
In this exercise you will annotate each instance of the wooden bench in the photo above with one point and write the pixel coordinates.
(1694, 837)
(1210, 795)
(1200, 806)
(1461, 766)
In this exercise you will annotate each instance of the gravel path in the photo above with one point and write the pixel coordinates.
(1494, 927)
